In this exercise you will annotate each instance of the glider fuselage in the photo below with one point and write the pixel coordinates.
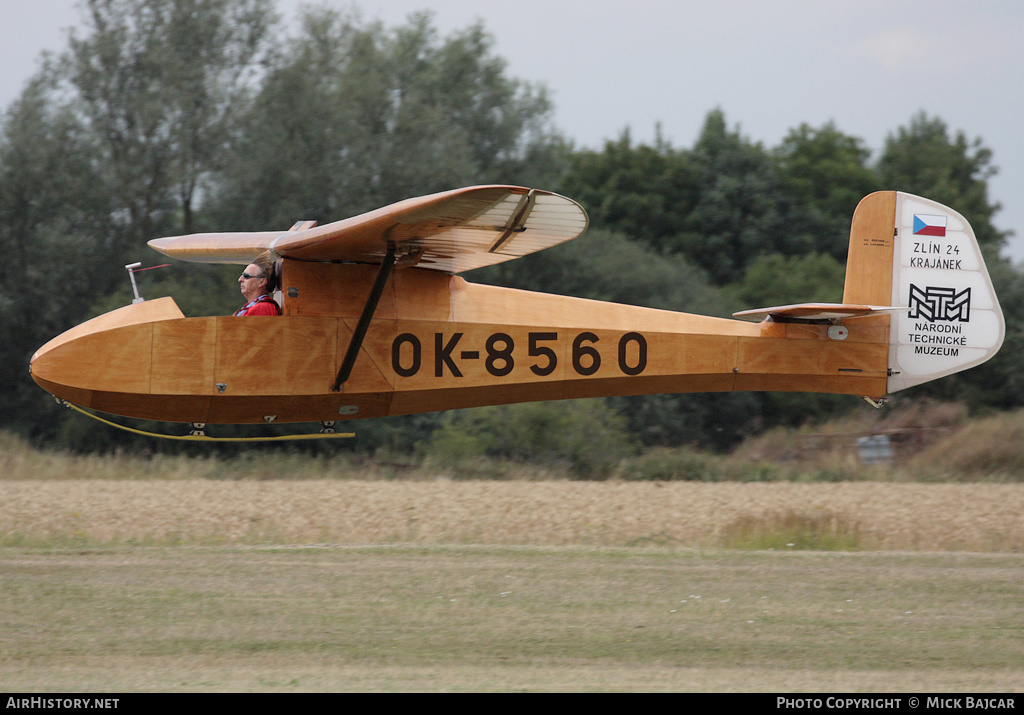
(436, 342)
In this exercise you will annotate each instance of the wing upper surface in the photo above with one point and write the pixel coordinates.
(453, 231)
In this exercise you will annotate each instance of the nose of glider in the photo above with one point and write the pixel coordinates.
(48, 367)
(95, 355)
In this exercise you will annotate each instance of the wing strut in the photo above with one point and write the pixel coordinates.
(517, 223)
(369, 309)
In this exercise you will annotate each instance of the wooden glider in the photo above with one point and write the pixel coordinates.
(378, 322)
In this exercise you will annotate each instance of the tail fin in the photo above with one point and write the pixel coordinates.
(923, 258)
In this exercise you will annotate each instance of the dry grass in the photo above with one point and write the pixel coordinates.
(932, 441)
(690, 500)
(860, 515)
(983, 447)
(912, 427)
(20, 461)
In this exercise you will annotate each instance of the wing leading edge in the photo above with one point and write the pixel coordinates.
(452, 231)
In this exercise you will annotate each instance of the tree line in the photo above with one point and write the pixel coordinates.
(163, 117)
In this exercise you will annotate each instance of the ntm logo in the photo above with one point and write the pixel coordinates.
(940, 304)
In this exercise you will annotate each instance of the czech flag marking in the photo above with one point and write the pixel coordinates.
(925, 225)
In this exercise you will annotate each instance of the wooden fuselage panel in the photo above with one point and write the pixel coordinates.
(436, 343)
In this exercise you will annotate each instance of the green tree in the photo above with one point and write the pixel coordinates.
(775, 279)
(708, 420)
(922, 159)
(54, 217)
(586, 435)
(825, 174)
(605, 265)
(643, 192)
(104, 148)
(159, 83)
(998, 383)
(355, 117)
(741, 208)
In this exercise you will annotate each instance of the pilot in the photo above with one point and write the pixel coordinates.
(257, 281)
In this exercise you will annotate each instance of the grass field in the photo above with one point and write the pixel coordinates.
(502, 618)
(201, 585)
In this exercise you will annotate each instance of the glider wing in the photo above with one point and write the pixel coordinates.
(453, 231)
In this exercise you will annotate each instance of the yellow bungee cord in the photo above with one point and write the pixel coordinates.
(198, 437)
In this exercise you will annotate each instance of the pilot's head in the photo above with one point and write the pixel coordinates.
(257, 278)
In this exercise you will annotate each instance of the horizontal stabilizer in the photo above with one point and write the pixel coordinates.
(815, 312)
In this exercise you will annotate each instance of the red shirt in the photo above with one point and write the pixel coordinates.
(263, 305)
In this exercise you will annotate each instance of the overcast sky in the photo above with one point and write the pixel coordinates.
(867, 65)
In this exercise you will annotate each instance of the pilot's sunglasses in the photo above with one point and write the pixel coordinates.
(247, 276)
